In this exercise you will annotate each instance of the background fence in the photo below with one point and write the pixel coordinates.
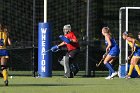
(22, 18)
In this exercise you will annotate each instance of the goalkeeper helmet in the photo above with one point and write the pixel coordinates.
(67, 28)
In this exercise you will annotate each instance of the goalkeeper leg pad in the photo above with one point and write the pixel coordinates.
(66, 67)
(62, 61)
(74, 68)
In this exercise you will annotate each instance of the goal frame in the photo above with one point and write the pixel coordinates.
(120, 33)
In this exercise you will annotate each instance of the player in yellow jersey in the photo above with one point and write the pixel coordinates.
(135, 47)
(4, 42)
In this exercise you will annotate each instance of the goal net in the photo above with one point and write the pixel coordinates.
(129, 20)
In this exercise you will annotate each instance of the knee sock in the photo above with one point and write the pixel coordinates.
(130, 70)
(137, 69)
(5, 74)
(110, 73)
(108, 65)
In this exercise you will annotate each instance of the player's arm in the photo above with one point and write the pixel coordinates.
(56, 47)
(9, 42)
(107, 37)
(61, 44)
(132, 40)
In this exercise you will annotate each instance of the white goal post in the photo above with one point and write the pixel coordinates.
(120, 33)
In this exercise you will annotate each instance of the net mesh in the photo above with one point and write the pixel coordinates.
(133, 28)
(22, 18)
(18, 16)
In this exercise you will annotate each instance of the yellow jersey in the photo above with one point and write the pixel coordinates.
(137, 44)
(3, 39)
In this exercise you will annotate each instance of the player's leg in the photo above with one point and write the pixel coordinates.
(109, 66)
(130, 68)
(110, 73)
(61, 60)
(136, 59)
(74, 68)
(72, 60)
(1, 73)
(65, 63)
(112, 55)
(66, 67)
(4, 70)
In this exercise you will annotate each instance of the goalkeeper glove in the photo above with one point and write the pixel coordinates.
(55, 48)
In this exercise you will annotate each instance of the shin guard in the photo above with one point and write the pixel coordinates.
(66, 66)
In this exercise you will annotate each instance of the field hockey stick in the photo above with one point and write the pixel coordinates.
(129, 57)
(97, 65)
(127, 60)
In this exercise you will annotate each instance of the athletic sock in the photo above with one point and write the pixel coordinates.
(108, 65)
(5, 74)
(137, 69)
(110, 73)
(130, 70)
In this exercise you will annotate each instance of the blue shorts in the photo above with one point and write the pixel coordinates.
(114, 51)
(137, 53)
(3, 52)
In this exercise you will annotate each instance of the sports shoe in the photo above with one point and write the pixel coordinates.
(114, 74)
(127, 77)
(65, 76)
(71, 75)
(109, 77)
(6, 82)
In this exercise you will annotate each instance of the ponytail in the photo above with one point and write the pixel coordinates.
(107, 30)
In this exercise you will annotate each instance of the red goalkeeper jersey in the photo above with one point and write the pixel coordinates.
(72, 45)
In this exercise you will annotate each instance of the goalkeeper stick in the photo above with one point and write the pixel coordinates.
(48, 50)
(52, 51)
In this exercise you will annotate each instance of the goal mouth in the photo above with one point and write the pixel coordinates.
(128, 21)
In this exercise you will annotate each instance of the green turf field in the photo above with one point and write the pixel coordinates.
(58, 84)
